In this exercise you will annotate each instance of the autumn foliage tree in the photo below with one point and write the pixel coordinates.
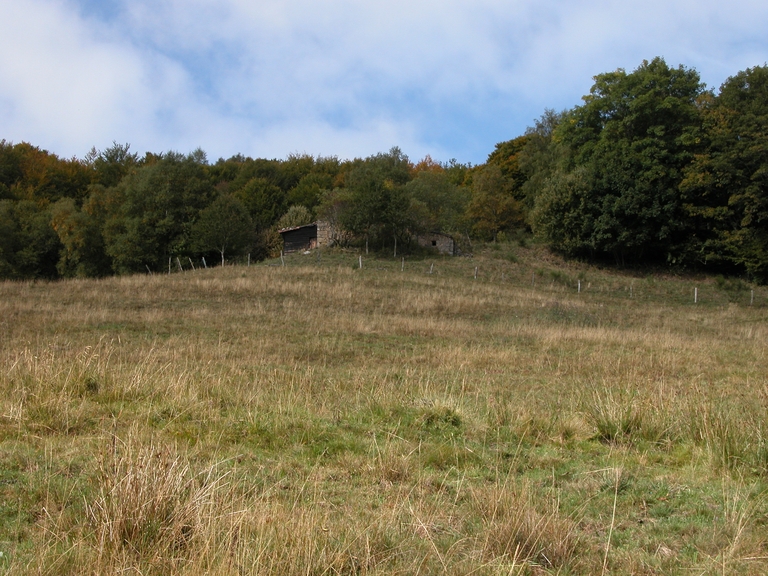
(493, 207)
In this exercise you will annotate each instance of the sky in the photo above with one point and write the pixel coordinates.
(345, 78)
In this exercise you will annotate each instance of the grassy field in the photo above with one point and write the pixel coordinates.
(505, 414)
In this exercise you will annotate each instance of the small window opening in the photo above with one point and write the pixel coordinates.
(434, 242)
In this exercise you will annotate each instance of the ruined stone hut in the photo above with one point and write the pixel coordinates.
(443, 243)
(306, 237)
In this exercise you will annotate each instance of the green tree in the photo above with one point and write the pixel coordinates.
(264, 201)
(377, 205)
(332, 207)
(437, 203)
(29, 247)
(10, 168)
(249, 168)
(632, 137)
(726, 186)
(506, 155)
(539, 158)
(83, 252)
(223, 226)
(154, 209)
(112, 164)
(289, 172)
(226, 171)
(29, 173)
(297, 215)
(560, 207)
(309, 189)
(10, 239)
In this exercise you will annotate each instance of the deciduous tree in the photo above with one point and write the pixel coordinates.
(224, 226)
(493, 208)
(377, 205)
(630, 137)
(726, 186)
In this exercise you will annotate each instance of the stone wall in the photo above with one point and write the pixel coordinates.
(443, 243)
(324, 234)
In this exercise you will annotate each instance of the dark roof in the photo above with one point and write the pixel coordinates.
(282, 230)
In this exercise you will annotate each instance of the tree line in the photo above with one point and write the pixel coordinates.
(651, 168)
(114, 212)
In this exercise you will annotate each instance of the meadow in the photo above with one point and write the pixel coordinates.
(509, 413)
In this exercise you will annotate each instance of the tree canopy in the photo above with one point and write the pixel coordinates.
(626, 149)
(224, 226)
(650, 167)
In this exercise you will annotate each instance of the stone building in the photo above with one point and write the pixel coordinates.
(443, 243)
(300, 238)
(321, 234)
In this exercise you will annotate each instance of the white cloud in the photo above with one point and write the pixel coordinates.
(64, 86)
(340, 77)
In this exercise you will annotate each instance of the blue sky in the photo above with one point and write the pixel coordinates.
(346, 78)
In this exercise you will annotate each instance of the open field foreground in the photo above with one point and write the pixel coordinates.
(321, 419)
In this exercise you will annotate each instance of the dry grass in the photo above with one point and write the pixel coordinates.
(519, 534)
(151, 508)
(317, 419)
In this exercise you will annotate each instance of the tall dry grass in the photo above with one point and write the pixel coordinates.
(317, 419)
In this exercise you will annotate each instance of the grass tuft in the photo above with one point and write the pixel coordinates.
(519, 533)
(150, 507)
